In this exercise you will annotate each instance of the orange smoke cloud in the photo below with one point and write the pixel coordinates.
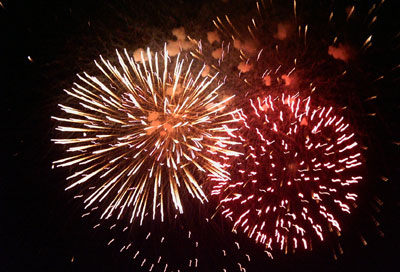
(341, 52)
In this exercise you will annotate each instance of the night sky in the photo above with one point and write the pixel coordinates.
(41, 226)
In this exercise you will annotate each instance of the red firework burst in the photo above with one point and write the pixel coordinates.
(297, 175)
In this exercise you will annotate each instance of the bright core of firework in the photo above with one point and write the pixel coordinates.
(300, 166)
(142, 135)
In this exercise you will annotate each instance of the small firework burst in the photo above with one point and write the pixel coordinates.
(141, 137)
(298, 175)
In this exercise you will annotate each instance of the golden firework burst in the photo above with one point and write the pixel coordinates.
(142, 136)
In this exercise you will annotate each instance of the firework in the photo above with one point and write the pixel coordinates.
(298, 175)
(141, 136)
(327, 52)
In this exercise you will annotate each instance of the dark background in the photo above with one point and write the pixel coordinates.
(41, 228)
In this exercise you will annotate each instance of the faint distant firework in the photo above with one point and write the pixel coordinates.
(141, 137)
(300, 45)
(298, 175)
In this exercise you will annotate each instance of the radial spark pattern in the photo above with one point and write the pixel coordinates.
(141, 136)
(297, 176)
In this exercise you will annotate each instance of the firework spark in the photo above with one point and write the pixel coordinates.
(297, 176)
(141, 136)
(180, 243)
